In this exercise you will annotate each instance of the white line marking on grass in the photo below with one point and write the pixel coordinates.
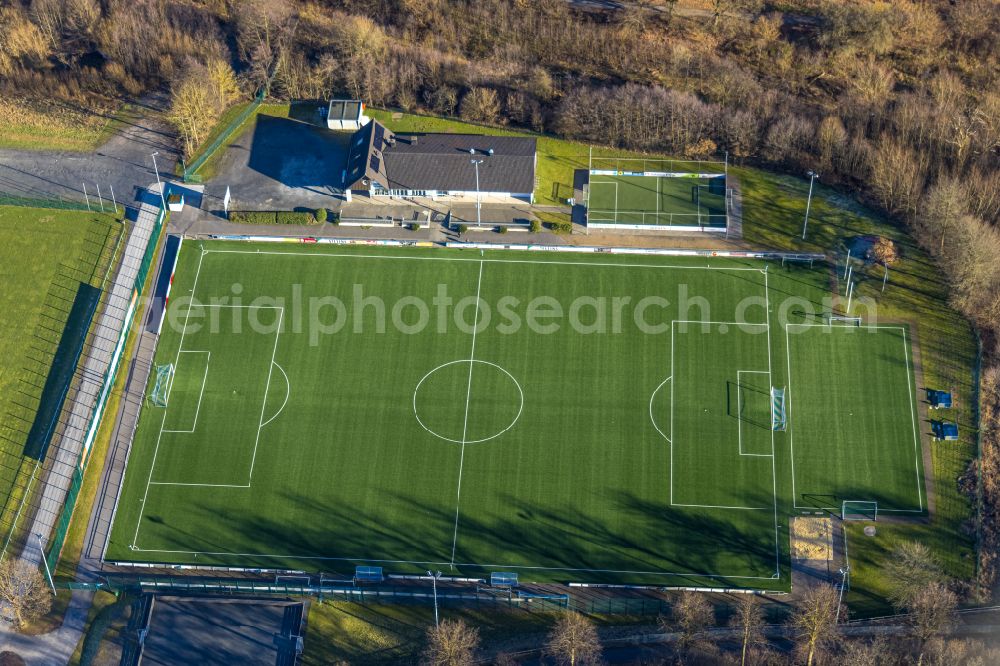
(199, 485)
(156, 450)
(465, 425)
(910, 388)
(739, 412)
(774, 471)
(204, 380)
(651, 417)
(517, 385)
(267, 386)
(460, 564)
(723, 506)
(288, 392)
(489, 261)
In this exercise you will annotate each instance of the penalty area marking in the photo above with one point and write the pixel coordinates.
(652, 397)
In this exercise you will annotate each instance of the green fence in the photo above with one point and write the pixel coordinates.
(190, 172)
(58, 202)
(471, 596)
(66, 514)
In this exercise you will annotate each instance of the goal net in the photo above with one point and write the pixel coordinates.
(779, 420)
(859, 510)
(161, 387)
(840, 320)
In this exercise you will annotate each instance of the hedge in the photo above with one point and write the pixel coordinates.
(271, 217)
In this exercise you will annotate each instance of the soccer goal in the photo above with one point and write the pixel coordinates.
(859, 510)
(841, 320)
(779, 420)
(161, 387)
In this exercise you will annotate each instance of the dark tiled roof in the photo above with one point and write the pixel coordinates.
(443, 161)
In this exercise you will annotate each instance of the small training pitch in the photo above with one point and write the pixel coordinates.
(596, 418)
(668, 201)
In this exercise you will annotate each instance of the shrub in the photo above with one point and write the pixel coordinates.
(536, 226)
(294, 217)
(501, 229)
(463, 228)
(561, 227)
(414, 226)
(252, 217)
(321, 215)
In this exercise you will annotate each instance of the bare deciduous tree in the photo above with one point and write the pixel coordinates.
(932, 611)
(452, 643)
(749, 619)
(480, 105)
(876, 652)
(693, 614)
(574, 640)
(23, 591)
(814, 621)
(911, 568)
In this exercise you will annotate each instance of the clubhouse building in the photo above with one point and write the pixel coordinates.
(384, 165)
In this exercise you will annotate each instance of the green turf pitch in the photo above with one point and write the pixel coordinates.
(580, 447)
(854, 433)
(652, 200)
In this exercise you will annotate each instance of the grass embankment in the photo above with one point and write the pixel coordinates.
(30, 126)
(340, 632)
(43, 253)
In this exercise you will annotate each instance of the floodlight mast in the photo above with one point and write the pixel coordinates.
(434, 578)
(805, 223)
(479, 203)
(163, 202)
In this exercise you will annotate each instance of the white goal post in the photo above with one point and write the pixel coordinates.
(832, 319)
(859, 510)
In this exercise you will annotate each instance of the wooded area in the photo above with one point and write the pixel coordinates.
(895, 102)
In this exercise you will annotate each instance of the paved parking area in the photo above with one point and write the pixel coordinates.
(281, 164)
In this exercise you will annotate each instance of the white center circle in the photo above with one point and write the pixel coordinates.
(520, 408)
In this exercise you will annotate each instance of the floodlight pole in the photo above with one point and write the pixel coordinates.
(805, 224)
(843, 583)
(850, 274)
(87, 197)
(848, 262)
(48, 572)
(113, 200)
(163, 203)
(850, 296)
(434, 578)
(100, 198)
(885, 277)
(479, 204)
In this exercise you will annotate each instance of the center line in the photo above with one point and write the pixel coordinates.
(465, 425)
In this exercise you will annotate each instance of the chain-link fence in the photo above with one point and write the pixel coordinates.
(190, 171)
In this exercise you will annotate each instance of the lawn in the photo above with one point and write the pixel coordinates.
(628, 446)
(44, 256)
(57, 127)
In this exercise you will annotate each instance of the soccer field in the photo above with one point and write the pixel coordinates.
(673, 201)
(582, 418)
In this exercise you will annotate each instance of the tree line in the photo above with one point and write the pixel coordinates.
(704, 629)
